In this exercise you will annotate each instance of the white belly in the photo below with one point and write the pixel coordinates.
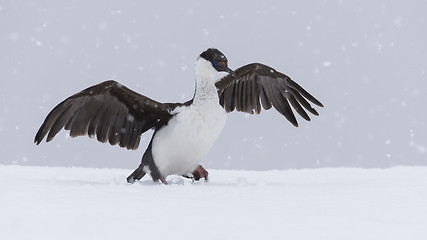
(179, 147)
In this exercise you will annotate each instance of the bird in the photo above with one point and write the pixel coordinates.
(183, 132)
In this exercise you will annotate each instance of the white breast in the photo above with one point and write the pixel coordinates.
(179, 147)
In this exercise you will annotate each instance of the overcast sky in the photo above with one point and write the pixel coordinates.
(364, 60)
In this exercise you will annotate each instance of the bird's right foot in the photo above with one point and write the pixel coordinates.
(198, 174)
(136, 175)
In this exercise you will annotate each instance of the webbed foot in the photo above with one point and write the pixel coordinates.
(199, 173)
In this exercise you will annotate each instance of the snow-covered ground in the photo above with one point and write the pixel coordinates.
(90, 203)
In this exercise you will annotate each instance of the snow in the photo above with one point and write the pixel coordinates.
(338, 203)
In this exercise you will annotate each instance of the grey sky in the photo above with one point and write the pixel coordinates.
(364, 60)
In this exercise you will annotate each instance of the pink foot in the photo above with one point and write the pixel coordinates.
(163, 180)
(199, 173)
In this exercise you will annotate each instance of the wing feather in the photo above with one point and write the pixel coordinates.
(266, 103)
(298, 107)
(239, 99)
(304, 102)
(109, 111)
(255, 85)
(60, 121)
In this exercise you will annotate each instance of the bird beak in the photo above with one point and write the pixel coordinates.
(231, 72)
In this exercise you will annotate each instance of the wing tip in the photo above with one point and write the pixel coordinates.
(314, 100)
(295, 124)
(39, 137)
(315, 113)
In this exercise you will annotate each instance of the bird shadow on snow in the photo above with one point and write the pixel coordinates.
(119, 180)
(181, 181)
(70, 182)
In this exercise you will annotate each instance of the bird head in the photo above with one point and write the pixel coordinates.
(217, 59)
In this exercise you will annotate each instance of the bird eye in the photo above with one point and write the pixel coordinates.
(215, 63)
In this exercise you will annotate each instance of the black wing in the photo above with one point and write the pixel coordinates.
(108, 110)
(255, 83)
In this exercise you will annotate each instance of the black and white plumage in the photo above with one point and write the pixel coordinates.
(183, 132)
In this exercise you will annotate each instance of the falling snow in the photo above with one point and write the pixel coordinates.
(326, 64)
(363, 60)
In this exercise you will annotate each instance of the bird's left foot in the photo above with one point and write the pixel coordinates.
(199, 173)
(163, 180)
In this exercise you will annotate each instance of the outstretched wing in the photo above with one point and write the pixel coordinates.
(108, 110)
(255, 83)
